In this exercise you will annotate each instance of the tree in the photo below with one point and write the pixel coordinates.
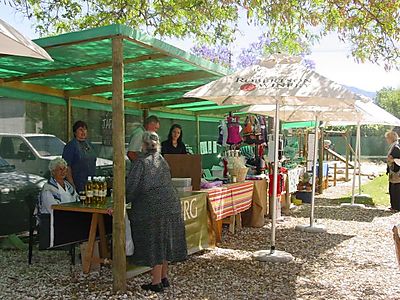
(219, 54)
(389, 99)
(371, 27)
(247, 57)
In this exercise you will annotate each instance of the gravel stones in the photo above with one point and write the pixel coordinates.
(355, 259)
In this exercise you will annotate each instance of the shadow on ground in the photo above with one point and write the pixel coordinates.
(342, 213)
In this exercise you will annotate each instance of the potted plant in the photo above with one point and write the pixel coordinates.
(304, 183)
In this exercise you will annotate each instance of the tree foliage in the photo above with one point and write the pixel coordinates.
(370, 26)
(389, 99)
(247, 56)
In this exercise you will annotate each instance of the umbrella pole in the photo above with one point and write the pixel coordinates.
(275, 178)
(357, 164)
(314, 228)
(274, 255)
(359, 159)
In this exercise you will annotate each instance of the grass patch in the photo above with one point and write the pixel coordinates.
(378, 190)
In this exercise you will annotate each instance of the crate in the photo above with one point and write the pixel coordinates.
(304, 196)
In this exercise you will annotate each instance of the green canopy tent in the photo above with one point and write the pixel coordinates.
(112, 68)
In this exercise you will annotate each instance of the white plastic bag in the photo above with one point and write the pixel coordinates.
(128, 236)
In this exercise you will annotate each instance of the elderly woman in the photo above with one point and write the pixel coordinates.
(158, 230)
(393, 168)
(57, 190)
(80, 156)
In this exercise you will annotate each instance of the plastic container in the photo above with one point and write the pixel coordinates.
(184, 189)
(304, 196)
(182, 182)
(217, 172)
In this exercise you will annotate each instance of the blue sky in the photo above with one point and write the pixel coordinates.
(332, 57)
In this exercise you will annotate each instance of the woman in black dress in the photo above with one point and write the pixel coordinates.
(174, 144)
(393, 169)
(158, 229)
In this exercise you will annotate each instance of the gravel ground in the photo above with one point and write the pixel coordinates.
(355, 259)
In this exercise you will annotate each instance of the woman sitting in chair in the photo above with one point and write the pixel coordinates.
(57, 189)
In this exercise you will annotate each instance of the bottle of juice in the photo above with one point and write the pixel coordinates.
(89, 191)
(95, 187)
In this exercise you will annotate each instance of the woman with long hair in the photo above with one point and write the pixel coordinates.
(174, 143)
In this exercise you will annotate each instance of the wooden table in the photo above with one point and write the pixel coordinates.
(228, 200)
(255, 215)
(68, 213)
(89, 221)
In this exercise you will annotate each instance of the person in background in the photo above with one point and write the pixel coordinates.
(393, 168)
(57, 189)
(157, 225)
(80, 157)
(174, 144)
(151, 123)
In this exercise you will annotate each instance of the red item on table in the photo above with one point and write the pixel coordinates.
(280, 187)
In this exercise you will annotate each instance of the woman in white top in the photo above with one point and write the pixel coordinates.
(57, 189)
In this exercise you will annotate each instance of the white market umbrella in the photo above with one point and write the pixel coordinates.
(12, 42)
(362, 114)
(278, 80)
(370, 113)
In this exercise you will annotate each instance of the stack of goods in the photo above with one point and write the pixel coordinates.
(236, 165)
(182, 184)
(95, 191)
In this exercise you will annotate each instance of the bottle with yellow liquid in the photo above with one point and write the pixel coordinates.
(102, 195)
(105, 189)
(96, 189)
(89, 191)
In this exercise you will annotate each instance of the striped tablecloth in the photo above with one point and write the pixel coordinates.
(230, 199)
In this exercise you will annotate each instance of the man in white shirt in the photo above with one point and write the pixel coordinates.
(151, 123)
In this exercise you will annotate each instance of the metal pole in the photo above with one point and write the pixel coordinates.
(275, 177)
(118, 141)
(359, 158)
(314, 171)
(321, 163)
(353, 187)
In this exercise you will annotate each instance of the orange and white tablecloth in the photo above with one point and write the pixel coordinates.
(230, 199)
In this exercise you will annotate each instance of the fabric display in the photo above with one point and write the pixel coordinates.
(222, 133)
(250, 130)
(280, 187)
(263, 136)
(233, 125)
(261, 166)
(271, 148)
(255, 130)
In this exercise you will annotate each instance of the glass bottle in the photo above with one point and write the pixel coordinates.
(89, 191)
(95, 187)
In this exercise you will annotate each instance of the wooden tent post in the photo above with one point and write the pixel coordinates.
(198, 133)
(145, 114)
(69, 119)
(118, 142)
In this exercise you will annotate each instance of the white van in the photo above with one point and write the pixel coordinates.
(32, 152)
